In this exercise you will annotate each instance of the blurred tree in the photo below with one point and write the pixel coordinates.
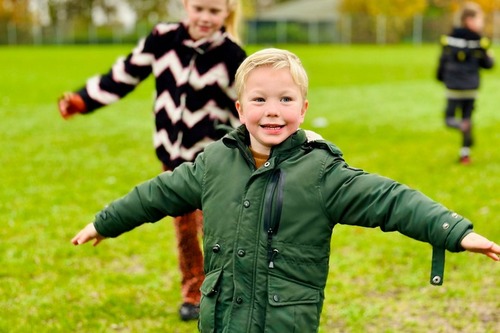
(249, 8)
(150, 10)
(491, 9)
(393, 13)
(400, 8)
(15, 11)
(489, 6)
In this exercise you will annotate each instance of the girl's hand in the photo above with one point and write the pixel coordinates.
(87, 234)
(476, 243)
(70, 104)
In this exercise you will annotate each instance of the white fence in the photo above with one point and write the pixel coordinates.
(345, 30)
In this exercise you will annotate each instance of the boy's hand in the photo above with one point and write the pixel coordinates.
(70, 104)
(86, 234)
(476, 243)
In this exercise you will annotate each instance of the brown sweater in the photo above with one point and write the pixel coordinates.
(260, 159)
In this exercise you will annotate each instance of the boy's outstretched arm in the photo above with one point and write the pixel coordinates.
(87, 234)
(476, 243)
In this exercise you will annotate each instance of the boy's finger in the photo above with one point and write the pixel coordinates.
(75, 241)
(493, 256)
(79, 239)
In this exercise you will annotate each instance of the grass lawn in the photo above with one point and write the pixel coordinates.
(381, 106)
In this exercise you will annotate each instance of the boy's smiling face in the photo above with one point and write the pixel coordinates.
(271, 107)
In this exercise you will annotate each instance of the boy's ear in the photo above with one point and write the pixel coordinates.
(305, 106)
(239, 108)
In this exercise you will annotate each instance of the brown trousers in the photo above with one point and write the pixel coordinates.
(188, 229)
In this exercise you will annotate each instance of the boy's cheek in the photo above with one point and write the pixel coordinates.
(242, 119)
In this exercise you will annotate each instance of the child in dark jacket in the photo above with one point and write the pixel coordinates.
(271, 194)
(194, 63)
(464, 53)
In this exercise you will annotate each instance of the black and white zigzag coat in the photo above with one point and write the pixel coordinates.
(194, 88)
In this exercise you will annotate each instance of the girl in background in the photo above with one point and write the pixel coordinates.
(194, 63)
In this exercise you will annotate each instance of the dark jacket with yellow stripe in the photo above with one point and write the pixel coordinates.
(464, 53)
(267, 231)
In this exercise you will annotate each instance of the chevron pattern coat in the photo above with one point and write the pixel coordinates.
(194, 88)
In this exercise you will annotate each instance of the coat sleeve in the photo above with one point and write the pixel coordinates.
(169, 194)
(123, 77)
(354, 197)
(440, 67)
(486, 61)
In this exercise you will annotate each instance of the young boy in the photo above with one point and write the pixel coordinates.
(464, 53)
(271, 194)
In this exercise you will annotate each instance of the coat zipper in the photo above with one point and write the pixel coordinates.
(272, 211)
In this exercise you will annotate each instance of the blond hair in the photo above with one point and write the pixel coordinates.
(274, 58)
(233, 19)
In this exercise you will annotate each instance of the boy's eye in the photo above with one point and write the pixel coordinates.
(259, 99)
(286, 99)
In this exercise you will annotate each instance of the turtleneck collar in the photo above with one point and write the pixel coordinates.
(204, 44)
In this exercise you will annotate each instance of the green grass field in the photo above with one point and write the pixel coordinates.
(384, 110)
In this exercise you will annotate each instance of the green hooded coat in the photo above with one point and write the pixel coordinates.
(267, 231)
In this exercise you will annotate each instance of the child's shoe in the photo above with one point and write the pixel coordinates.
(465, 160)
(189, 311)
(464, 155)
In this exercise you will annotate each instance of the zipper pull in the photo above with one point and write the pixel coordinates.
(269, 245)
(273, 255)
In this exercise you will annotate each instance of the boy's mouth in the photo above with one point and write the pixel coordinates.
(272, 126)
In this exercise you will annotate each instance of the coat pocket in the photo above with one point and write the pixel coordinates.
(293, 307)
(209, 294)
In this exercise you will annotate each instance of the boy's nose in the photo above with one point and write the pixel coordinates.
(272, 110)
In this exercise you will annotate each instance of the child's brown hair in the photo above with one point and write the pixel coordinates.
(469, 10)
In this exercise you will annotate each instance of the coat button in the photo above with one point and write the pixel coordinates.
(241, 253)
(239, 300)
(436, 279)
(267, 164)
(246, 203)
(276, 298)
(216, 248)
(446, 225)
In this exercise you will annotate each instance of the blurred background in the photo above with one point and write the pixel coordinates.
(373, 92)
(265, 21)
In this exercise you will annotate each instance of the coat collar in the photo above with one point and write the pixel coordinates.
(241, 138)
(304, 139)
(205, 44)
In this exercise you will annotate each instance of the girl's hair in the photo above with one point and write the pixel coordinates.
(468, 10)
(232, 22)
(274, 58)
